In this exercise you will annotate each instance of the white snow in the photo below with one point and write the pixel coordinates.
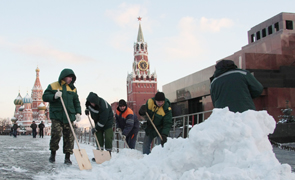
(226, 146)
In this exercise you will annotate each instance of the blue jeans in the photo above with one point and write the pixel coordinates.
(146, 147)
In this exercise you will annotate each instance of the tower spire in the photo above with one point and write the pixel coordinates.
(37, 84)
(36, 95)
(140, 79)
(140, 34)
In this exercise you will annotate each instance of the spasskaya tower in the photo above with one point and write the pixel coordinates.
(141, 83)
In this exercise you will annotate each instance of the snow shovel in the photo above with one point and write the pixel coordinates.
(120, 132)
(154, 126)
(80, 154)
(99, 155)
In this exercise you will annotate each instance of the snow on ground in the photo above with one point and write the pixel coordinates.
(226, 146)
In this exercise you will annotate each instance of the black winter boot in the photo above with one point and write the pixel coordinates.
(52, 157)
(67, 159)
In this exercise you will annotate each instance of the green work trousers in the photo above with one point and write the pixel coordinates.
(105, 138)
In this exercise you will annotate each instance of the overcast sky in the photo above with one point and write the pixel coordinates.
(96, 38)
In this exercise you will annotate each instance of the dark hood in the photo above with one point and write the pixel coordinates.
(67, 72)
(224, 66)
(93, 98)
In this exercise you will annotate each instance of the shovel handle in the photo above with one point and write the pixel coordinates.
(124, 139)
(94, 133)
(63, 104)
(154, 126)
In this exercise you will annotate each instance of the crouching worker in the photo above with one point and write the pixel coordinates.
(159, 110)
(102, 114)
(127, 122)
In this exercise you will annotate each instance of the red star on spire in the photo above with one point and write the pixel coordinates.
(139, 18)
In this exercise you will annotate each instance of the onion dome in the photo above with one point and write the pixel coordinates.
(21, 108)
(27, 99)
(18, 100)
(13, 119)
(41, 106)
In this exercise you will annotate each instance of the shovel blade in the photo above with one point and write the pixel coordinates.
(82, 159)
(101, 156)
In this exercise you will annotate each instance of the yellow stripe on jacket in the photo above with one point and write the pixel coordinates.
(56, 86)
(154, 108)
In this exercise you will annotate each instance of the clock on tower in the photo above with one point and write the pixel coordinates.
(143, 65)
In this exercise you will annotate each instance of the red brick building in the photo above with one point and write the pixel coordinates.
(269, 55)
(141, 83)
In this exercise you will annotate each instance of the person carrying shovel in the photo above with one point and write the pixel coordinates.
(63, 88)
(102, 114)
(158, 112)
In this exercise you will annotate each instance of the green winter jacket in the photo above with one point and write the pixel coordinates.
(161, 117)
(234, 88)
(69, 96)
(102, 113)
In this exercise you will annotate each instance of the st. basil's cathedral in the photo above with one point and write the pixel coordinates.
(32, 108)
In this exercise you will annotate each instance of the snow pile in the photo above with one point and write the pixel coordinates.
(226, 146)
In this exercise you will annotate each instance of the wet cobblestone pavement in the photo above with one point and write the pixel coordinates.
(24, 156)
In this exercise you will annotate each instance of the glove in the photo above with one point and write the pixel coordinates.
(164, 139)
(123, 137)
(78, 117)
(87, 112)
(142, 110)
(93, 130)
(57, 94)
(118, 129)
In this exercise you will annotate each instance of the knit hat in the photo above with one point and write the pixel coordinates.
(122, 102)
(160, 96)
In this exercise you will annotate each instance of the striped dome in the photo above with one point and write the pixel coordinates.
(27, 99)
(18, 100)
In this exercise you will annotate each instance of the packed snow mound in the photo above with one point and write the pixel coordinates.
(226, 146)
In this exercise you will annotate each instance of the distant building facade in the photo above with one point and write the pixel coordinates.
(32, 108)
(269, 55)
